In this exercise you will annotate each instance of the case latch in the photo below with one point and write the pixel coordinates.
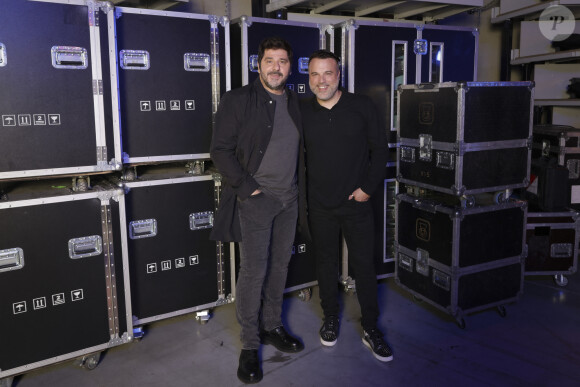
(422, 264)
(425, 147)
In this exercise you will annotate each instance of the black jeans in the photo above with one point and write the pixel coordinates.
(355, 219)
(268, 227)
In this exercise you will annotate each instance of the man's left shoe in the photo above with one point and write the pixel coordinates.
(373, 339)
(282, 340)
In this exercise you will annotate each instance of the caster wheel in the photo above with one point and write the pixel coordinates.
(202, 317)
(350, 290)
(305, 294)
(89, 362)
(138, 333)
(560, 280)
(501, 310)
(461, 323)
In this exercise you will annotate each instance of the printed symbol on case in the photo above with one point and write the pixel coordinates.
(76, 295)
(58, 299)
(290, 86)
(160, 105)
(24, 120)
(145, 106)
(165, 265)
(301, 249)
(39, 303)
(301, 88)
(193, 260)
(423, 229)
(426, 113)
(175, 105)
(9, 120)
(54, 119)
(151, 268)
(179, 262)
(19, 307)
(189, 104)
(39, 119)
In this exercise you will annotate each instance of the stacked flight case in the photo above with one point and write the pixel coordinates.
(89, 89)
(558, 146)
(63, 275)
(407, 53)
(471, 142)
(554, 195)
(166, 66)
(175, 268)
(51, 50)
(305, 38)
(444, 253)
(170, 69)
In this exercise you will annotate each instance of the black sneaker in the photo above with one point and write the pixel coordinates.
(329, 331)
(373, 339)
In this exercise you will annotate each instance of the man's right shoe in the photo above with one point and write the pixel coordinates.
(373, 339)
(249, 370)
(329, 331)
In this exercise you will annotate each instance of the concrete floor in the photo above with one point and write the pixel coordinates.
(536, 344)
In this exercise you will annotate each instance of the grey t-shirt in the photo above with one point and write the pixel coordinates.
(277, 172)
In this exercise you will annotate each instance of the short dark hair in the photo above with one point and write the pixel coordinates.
(324, 54)
(274, 43)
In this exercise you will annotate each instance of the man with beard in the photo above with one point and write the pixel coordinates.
(346, 155)
(257, 147)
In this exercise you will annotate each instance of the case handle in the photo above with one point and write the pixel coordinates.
(200, 220)
(85, 247)
(196, 62)
(253, 63)
(11, 259)
(134, 60)
(2, 55)
(146, 228)
(303, 65)
(70, 58)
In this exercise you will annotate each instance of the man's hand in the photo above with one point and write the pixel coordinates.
(359, 195)
(256, 192)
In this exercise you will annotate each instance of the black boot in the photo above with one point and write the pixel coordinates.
(249, 370)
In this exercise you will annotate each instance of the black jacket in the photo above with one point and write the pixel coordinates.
(242, 131)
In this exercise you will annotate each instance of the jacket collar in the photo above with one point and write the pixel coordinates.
(263, 93)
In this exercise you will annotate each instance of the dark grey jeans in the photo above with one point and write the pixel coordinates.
(268, 228)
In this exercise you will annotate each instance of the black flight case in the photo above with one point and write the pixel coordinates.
(52, 96)
(464, 138)
(175, 268)
(63, 274)
(444, 255)
(170, 69)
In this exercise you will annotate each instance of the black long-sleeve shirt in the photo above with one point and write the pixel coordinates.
(346, 149)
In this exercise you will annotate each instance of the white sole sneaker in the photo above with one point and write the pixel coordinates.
(328, 343)
(379, 358)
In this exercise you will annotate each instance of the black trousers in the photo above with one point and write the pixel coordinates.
(355, 219)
